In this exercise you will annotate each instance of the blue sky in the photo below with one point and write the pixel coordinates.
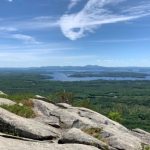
(74, 32)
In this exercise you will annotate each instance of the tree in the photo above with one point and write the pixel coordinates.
(65, 97)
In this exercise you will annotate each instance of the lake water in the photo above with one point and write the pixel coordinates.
(60, 76)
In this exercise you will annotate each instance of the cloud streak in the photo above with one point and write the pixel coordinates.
(36, 23)
(16, 28)
(100, 12)
(73, 3)
(123, 40)
(25, 38)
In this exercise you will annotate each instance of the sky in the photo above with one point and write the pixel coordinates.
(112, 33)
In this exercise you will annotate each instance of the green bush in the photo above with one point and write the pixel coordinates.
(147, 148)
(116, 116)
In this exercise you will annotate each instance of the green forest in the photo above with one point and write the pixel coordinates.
(127, 102)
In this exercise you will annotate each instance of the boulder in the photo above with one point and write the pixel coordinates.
(73, 122)
(4, 101)
(40, 97)
(75, 135)
(2, 93)
(98, 118)
(116, 134)
(15, 144)
(120, 139)
(63, 105)
(67, 119)
(51, 120)
(24, 127)
(143, 135)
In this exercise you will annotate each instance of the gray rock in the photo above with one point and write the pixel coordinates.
(64, 105)
(120, 139)
(40, 97)
(51, 120)
(143, 135)
(67, 119)
(2, 93)
(77, 136)
(4, 101)
(16, 137)
(98, 118)
(116, 134)
(14, 144)
(23, 127)
(43, 113)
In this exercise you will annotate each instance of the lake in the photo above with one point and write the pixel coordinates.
(61, 76)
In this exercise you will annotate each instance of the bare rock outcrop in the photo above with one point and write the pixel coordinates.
(115, 134)
(62, 126)
(14, 144)
(4, 101)
(143, 135)
(75, 135)
(67, 119)
(24, 127)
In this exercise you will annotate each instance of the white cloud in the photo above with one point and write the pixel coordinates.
(24, 38)
(10, 0)
(99, 12)
(37, 23)
(7, 29)
(73, 3)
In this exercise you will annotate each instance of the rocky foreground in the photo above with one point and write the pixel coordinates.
(63, 127)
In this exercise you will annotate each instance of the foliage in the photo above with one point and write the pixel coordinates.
(86, 103)
(65, 97)
(116, 116)
(145, 147)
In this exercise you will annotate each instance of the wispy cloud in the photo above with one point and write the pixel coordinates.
(25, 38)
(123, 40)
(15, 28)
(99, 12)
(73, 3)
(36, 23)
(7, 29)
(43, 54)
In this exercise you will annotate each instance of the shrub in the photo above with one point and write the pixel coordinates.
(28, 103)
(116, 116)
(146, 147)
(65, 97)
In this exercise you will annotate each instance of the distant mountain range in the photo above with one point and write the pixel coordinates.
(80, 68)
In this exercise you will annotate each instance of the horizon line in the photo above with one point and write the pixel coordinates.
(13, 67)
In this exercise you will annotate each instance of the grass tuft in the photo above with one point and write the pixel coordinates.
(95, 132)
(23, 111)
